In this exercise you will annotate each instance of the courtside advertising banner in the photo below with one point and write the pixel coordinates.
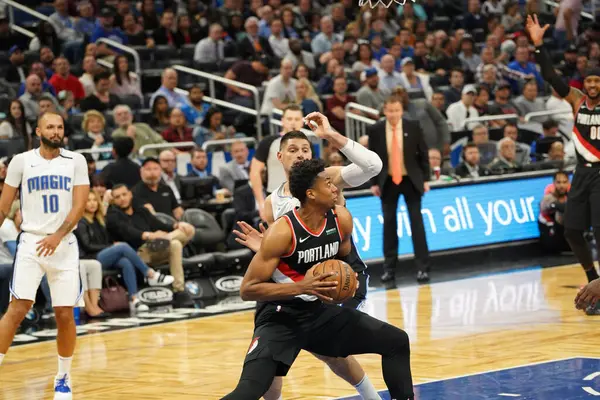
(456, 216)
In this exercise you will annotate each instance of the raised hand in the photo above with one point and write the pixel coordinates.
(536, 32)
(248, 236)
(318, 123)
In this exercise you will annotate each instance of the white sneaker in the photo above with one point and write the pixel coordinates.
(137, 306)
(62, 387)
(160, 279)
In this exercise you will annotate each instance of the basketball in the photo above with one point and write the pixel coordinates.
(345, 276)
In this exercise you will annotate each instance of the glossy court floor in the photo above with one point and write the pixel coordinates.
(474, 326)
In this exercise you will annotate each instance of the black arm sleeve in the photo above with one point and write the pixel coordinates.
(543, 58)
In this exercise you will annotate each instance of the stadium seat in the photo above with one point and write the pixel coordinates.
(165, 53)
(478, 35)
(144, 115)
(198, 265)
(133, 101)
(227, 220)
(187, 51)
(151, 80)
(145, 53)
(236, 260)
(208, 232)
(165, 219)
(441, 22)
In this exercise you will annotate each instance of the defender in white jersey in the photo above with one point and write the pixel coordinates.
(54, 186)
(295, 147)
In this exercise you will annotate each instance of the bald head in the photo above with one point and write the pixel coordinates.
(287, 69)
(33, 85)
(169, 78)
(388, 63)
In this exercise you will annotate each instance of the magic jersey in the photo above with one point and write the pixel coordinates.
(282, 204)
(308, 248)
(46, 187)
(586, 132)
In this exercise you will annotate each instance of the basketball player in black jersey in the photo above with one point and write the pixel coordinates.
(582, 210)
(291, 315)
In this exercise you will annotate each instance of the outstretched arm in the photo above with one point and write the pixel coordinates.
(536, 32)
(256, 285)
(365, 163)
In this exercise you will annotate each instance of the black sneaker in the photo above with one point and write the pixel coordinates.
(593, 310)
(182, 299)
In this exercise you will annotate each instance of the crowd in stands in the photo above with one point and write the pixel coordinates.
(450, 64)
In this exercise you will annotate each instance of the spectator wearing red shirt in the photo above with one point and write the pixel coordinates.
(336, 105)
(177, 131)
(64, 80)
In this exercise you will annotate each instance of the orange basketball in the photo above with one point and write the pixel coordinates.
(345, 276)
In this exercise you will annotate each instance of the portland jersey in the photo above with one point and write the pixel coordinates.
(46, 187)
(586, 132)
(282, 204)
(308, 248)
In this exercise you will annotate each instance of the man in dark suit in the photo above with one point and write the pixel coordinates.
(470, 167)
(235, 172)
(401, 146)
(253, 46)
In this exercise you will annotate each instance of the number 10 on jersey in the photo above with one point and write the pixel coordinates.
(50, 203)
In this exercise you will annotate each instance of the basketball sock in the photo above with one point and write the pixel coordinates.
(366, 389)
(591, 274)
(64, 365)
(1, 358)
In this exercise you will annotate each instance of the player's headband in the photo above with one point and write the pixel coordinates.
(594, 71)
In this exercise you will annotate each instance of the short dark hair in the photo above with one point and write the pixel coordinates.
(549, 124)
(292, 135)
(150, 160)
(292, 107)
(456, 69)
(197, 150)
(468, 146)
(393, 99)
(119, 186)
(103, 75)
(303, 176)
(561, 172)
(123, 146)
(512, 124)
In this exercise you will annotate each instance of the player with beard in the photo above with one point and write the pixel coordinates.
(581, 212)
(54, 188)
(292, 311)
(294, 148)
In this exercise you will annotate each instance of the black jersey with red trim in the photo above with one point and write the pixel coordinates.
(308, 248)
(586, 132)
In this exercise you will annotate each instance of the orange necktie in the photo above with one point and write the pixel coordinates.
(396, 159)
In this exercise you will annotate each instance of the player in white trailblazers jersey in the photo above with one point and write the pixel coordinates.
(295, 147)
(54, 187)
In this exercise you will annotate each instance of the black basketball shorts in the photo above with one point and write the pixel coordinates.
(583, 203)
(281, 331)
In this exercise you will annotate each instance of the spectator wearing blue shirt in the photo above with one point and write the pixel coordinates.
(377, 46)
(323, 41)
(86, 23)
(195, 110)
(167, 89)
(104, 29)
(407, 49)
(266, 16)
(523, 65)
(38, 69)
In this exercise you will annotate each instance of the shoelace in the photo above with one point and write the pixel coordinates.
(62, 386)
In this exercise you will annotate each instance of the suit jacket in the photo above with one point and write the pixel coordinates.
(229, 173)
(462, 171)
(244, 204)
(246, 49)
(415, 153)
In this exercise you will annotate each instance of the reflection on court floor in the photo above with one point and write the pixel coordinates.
(570, 379)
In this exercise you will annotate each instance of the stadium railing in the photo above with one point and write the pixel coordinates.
(248, 140)
(487, 118)
(356, 125)
(11, 5)
(126, 49)
(211, 89)
(533, 114)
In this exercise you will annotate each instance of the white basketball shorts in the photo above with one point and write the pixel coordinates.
(61, 268)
